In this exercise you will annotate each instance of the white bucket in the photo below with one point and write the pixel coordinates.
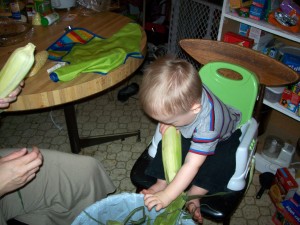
(63, 4)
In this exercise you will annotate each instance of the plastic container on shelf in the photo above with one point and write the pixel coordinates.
(290, 50)
(273, 94)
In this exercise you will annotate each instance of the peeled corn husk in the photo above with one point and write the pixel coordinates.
(40, 59)
(16, 68)
(172, 160)
(171, 153)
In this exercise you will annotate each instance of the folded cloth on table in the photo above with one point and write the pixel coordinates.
(86, 52)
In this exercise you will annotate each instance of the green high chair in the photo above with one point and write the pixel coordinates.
(239, 92)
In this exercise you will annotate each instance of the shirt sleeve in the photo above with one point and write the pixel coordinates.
(204, 143)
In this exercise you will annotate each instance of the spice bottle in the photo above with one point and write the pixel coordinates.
(15, 9)
(18, 11)
(50, 19)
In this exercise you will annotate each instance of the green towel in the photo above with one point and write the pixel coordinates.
(95, 54)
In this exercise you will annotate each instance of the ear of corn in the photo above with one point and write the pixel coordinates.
(40, 59)
(15, 69)
(171, 153)
(172, 160)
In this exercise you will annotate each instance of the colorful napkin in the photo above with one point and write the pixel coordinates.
(86, 52)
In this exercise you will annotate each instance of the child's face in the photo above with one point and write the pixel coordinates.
(181, 119)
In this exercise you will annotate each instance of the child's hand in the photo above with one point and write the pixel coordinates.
(163, 127)
(159, 199)
(147, 191)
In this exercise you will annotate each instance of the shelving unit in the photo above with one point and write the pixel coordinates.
(230, 22)
(263, 25)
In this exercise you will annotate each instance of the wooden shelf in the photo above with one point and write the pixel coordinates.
(263, 25)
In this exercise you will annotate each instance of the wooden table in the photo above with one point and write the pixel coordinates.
(40, 92)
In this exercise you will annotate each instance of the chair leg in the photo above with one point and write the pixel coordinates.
(15, 222)
(138, 190)
(227, 221)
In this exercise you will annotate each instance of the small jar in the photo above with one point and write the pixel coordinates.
(50, 19)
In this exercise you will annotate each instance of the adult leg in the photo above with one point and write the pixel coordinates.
(2, 219)
(64, 186)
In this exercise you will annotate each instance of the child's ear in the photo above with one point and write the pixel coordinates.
(196, 108)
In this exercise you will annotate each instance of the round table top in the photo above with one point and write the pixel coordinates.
(40, 92)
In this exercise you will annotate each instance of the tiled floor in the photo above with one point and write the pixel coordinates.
(106, 115)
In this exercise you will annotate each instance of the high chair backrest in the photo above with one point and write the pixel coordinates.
(238, 88)
(239, 93)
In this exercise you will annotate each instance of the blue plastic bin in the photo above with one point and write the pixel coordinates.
(118, 207)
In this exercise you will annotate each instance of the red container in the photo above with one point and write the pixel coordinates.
(234, 38)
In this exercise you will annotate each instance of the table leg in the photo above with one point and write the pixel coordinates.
(77, 143)
(259, 103)
(71, 122)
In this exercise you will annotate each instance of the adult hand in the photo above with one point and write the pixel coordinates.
(18, 168)
(4, 102)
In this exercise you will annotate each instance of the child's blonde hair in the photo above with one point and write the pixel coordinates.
(170, 86)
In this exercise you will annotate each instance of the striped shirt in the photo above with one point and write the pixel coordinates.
(215, 122)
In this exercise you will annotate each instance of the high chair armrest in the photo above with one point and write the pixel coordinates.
(244, 155)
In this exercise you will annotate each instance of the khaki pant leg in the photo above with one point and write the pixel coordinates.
(65, 185)
(2, 220)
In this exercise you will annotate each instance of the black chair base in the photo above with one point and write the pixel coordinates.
(218, 208)
(137, 175)
(15, 222)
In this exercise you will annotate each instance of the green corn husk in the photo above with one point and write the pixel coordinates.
(171, 153)
(16, 68)
(172, 160)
